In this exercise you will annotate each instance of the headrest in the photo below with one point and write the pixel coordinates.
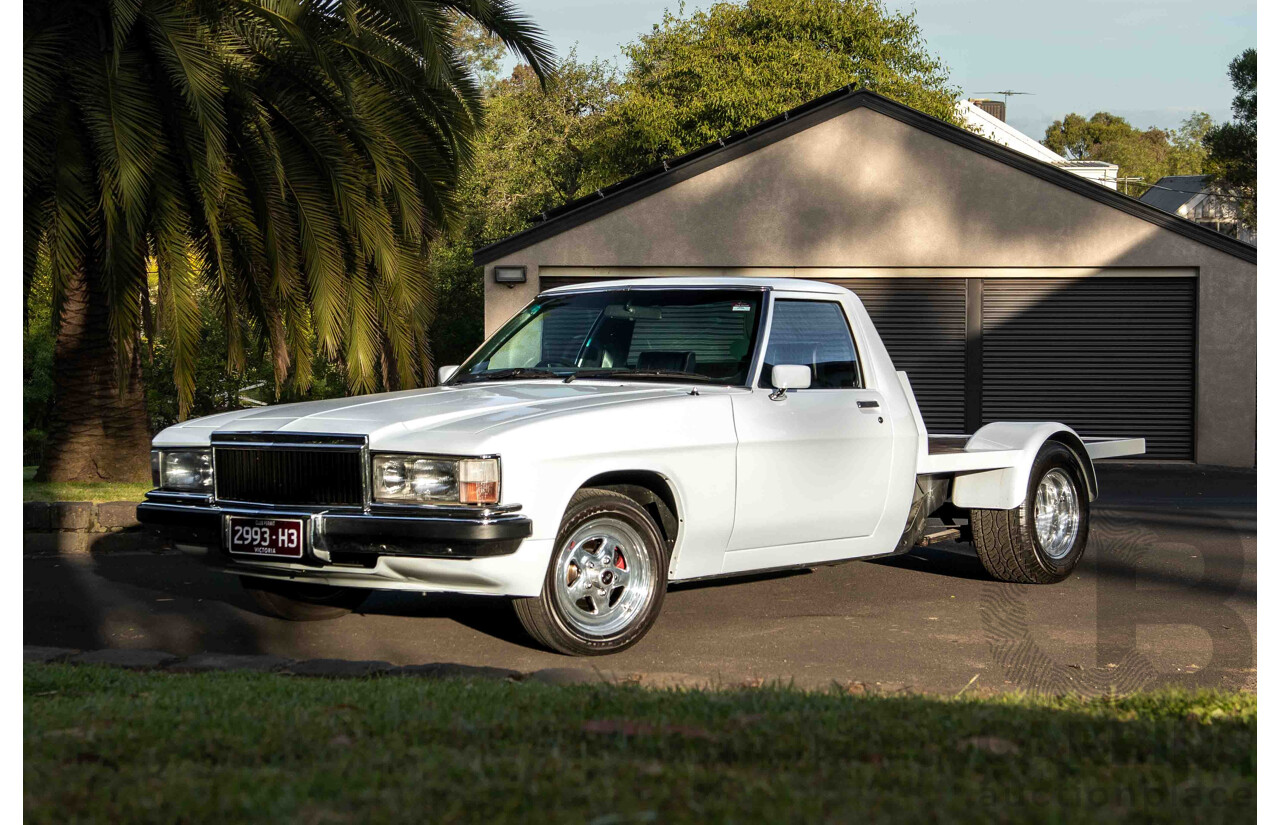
(659, 360)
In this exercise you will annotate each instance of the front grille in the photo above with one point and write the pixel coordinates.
(297, 475)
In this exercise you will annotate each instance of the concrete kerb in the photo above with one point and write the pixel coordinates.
(52, 528)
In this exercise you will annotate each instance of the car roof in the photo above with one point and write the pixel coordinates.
(780, 284)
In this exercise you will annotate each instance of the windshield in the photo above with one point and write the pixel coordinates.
(694, 335)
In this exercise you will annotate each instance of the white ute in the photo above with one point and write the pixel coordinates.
(610, 439)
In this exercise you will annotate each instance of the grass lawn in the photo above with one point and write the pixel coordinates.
(111, 745)
(79, 491)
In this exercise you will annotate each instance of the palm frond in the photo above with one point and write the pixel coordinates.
(286, 161)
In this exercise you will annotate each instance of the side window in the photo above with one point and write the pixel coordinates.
(816, 334)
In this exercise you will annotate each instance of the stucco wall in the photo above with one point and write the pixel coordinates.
(865, 190)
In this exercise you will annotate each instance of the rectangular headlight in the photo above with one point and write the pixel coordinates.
(185, 471)
(424, 479)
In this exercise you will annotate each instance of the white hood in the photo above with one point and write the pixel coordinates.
(466, 410)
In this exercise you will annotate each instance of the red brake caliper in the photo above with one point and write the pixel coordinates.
(619, 562)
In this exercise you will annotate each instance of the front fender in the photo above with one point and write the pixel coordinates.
(1005, 488)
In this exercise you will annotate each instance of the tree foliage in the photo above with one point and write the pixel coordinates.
(288, 159)
(540, 147)
(479, 49)
(37, 365)
(1146, 153)
(691, 80)
(1233, 147)
(695, 79)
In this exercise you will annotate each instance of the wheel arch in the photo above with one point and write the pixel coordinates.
(1005, 488)
(654, 491)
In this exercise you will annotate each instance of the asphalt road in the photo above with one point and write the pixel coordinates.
(1166, 595)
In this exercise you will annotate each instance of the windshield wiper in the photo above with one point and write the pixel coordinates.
(692, 376)
(505, 374)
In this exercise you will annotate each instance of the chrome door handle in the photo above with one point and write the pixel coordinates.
(863, 405)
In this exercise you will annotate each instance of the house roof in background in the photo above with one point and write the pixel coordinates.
(1175, 191)
(1084, 164)
(993, 128)
(672, 171)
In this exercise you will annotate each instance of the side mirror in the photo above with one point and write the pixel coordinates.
(445, 373)
(789, 377)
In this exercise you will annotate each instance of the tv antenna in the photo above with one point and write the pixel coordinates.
(1006, 93)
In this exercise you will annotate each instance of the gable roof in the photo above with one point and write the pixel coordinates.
(672, 171)
(1173, 191)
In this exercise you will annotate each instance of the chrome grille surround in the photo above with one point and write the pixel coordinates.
(306, 470)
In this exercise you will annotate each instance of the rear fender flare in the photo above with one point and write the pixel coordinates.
(1006, 488)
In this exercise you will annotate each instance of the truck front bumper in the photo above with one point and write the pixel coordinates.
(346, 536)
(484, 552)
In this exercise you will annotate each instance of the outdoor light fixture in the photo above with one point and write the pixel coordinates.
(509, 275)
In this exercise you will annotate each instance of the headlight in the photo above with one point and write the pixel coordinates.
(187, 471)
(434, 480)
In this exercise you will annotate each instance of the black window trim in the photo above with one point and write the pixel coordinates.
(766, 382)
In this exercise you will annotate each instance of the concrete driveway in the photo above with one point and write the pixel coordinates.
(1166, 595)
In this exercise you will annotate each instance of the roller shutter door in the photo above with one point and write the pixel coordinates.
(922, 324)
(1107, 356)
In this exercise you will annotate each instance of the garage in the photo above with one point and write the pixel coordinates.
(1006, 288)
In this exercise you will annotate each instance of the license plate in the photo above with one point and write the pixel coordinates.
(265, 537)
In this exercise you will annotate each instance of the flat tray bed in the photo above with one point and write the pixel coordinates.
(947, 444)
(948, 453)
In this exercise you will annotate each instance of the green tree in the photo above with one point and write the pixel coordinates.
(1233, 147)
(480, 49)
(1146, 153)
(290, 158)
(37, 366)
(540, 147)
(695, 79)
(690, 80)
(214, 388)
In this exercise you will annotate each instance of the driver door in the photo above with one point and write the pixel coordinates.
(814, 464)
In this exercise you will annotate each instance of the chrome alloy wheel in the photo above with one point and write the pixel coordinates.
(604, 577)
(1057, 513)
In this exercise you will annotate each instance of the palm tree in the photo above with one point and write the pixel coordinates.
(289, 159)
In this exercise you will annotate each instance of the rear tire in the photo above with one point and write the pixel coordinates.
(1014, 547)
(302, 602)
(606, 579)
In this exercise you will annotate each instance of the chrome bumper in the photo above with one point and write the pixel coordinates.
(347, 535)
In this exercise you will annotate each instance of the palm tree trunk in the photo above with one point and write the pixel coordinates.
(96, 432)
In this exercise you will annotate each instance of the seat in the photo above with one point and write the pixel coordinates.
(664, 360)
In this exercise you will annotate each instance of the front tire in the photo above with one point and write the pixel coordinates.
(606, 580)
(1041, 540)
(302, 602)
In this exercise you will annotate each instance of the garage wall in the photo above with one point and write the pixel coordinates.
(864, 191)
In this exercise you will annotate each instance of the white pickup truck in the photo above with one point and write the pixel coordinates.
(612, 438)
